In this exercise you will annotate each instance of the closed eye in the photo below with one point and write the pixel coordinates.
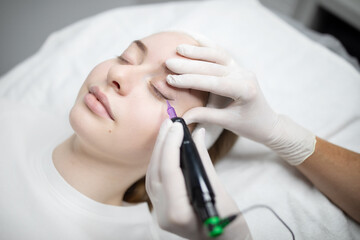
(158, 93)
(155, 91)
(122, 59)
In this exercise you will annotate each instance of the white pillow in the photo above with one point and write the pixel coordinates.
(318, 86)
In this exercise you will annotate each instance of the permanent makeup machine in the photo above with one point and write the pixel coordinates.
(198, 186)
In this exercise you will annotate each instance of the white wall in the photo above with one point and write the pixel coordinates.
(25, 24)
(286, 7)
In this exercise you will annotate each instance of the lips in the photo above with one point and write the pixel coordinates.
(98, 103)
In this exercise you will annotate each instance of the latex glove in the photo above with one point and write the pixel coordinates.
(165, 185)
(248, 114)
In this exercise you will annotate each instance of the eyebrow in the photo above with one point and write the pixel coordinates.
(141, 46)
(144, 50)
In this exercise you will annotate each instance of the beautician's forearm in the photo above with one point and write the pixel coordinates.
(335, 171)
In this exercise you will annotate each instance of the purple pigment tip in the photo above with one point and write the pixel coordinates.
(171, 110)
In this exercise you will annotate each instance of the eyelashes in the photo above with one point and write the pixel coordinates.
(153, 89)
(122, 59)
(157, 93)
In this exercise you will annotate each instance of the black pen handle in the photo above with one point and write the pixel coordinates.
(198, 186)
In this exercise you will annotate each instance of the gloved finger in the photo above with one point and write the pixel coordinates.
(173, 179)
(206, 115)
(199, 139)
(218, 101)
(222, 86)
(182, 66)
(215, 55)
(204, 41)
(170, 155)
(242, 87)
(152, 174)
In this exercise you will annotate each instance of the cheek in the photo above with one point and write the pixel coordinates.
(147, 118)
(98, 74)
(139, 128)
(185, 103)
(132, 136)
(132, 139)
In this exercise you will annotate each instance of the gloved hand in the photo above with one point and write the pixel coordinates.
(209, 68)
(165, 186)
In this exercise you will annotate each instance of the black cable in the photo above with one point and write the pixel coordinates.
(224, 222)
(269, 208)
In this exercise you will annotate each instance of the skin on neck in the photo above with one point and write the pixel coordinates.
(88, 173)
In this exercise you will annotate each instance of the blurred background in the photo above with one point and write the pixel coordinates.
(25, 25)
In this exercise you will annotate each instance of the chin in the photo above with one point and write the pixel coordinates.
(81, 122)
(86, 128)
(75, 119)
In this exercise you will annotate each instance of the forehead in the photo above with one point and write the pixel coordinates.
(162, 46)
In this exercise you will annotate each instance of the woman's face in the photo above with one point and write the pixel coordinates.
(134, 89)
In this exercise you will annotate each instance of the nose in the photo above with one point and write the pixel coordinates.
(122, 78)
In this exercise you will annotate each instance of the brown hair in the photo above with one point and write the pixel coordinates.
(137, 193)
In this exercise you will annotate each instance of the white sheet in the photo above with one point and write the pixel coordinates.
(299, 77)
